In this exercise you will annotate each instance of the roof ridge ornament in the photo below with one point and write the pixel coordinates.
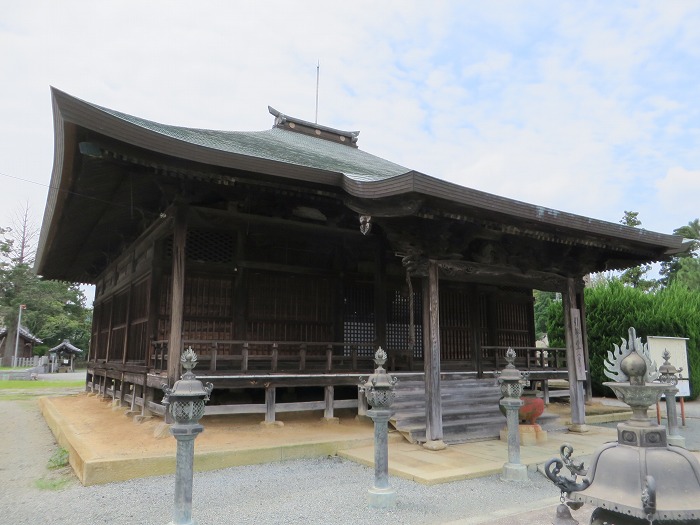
(282, 121)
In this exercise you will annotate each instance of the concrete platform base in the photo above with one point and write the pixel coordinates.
(330, 420)
(578, 428)
(271, 424)
(529, 435)
(678, 441)
(435, 445)
(514, 472)
(104, 446)
(381, 498)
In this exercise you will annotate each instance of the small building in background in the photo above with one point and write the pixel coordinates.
(63, 357)
(25, 344)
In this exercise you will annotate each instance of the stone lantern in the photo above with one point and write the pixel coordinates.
(511, 380)
(667, 376)
(379, 390)
(185, 403)
(640, 479)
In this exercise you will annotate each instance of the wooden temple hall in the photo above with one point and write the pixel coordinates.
(286, 257)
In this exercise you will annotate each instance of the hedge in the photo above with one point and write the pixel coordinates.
(612, 307)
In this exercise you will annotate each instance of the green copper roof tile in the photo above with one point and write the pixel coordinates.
(280, 145)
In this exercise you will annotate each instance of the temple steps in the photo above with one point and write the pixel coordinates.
(470, 409)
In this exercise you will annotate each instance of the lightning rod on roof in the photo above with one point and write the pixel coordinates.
(318, 74)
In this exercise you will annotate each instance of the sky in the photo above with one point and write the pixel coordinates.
(587, 107)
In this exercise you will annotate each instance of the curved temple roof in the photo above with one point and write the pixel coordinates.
(277, 145)
(282, 153)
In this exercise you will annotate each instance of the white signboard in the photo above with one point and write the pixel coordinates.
(676, 346)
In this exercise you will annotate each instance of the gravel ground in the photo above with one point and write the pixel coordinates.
(320, 491)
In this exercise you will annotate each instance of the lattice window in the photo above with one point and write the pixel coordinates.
(358, 317)
(206, 246)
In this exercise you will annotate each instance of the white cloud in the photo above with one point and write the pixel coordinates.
(577, 107)
(679, 194)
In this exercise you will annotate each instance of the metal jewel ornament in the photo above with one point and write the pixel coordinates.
(186, 399)
(641, 478)
(379, 387)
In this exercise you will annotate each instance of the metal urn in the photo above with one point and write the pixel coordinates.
(640, 479)
(185, 402)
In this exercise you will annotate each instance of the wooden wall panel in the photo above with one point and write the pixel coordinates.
(138, 342)
(510, 319)
(286, 307)
(398, 320)
(454, 323)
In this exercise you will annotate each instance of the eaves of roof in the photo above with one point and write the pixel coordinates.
(289, 155)
(66, 347)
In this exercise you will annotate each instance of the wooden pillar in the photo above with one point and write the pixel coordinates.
(147, 398)
(270, 392)
(109, 329)
(574, 353)
(134, 392)
(122, 389)
(329, 399)
(431, 359)
(127, 324)
(177, 295)
(239, 290)
(154, 305)
(270, 407)
(584, 330)
(380, 296)
(339, 293)
(475, 330)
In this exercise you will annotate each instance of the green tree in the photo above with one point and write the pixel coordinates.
(612, 307)
(669, 270)
(688, 273)
(634, 277)
(54, 310)
(542, 302)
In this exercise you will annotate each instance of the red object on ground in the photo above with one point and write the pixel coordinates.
(532, 408)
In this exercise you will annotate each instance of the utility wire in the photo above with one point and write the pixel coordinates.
(82, 195)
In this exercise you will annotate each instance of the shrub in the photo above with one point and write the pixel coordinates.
(612, 307)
